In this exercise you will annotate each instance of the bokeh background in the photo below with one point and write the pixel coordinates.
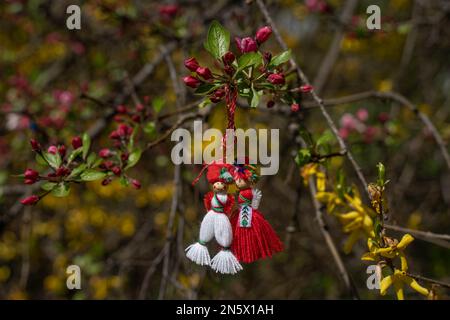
(130, 243)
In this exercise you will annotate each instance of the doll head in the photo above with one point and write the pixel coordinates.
(218, 176)
(245, 175)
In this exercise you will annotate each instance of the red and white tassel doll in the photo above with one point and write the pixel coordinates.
(253, 236)
(216, 223)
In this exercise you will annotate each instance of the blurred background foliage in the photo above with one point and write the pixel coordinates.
(116, 234)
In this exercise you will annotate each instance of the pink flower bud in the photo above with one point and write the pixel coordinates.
(136, 118)
(192, 82)
(306, 88)
(31, 174)
(219, 93)
(114, 135)
(267, 56)
(104, 153)
(263, 34)
(228, 58)
(348, 121)
(228, 70)
(169, 11)
(343, 133)
(62, 171)
(76, 142)
(246, 45)
(383, 117)
(136, 184)
(295, 107)
(191, 64)
(124, 131)
(362, 114)
(116, 170)
(62, 150)
(204, 72)
(52, 149)
(140, 107)
(121, 109)
(30, 200)
(36, 146)
(106, 181)
(276, 78)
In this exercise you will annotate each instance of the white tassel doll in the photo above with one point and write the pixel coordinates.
(216, 223)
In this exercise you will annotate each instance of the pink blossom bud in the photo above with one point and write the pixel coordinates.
(263, 34)
(362, 114)
(104, 153)
(343, 133)
(191, 64)
(62, 150)
(136, 184)
(116, 170)
(306, 88)
(76, 142)
(295, 107)
(52, 149)
(192, 82)
(204, 72)
(276, 78)
(121, 109)
(348, 121)
(228, 58)
(36, 146)
(30, 200)
(246, 45)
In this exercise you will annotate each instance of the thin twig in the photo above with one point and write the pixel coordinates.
(422, 234)
(177, 187)
(440, 283)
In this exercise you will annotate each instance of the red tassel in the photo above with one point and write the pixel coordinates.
(256, 242)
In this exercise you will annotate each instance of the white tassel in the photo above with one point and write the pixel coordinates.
(226, 263)
(199, 254)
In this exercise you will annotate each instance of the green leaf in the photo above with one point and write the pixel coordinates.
(303, 157)
(204, 103)
(92, 175)
(133, 158)
(218, 40)
(75, 153)
(149, 128)
(206, 88)
(381, 174)
(326, 137)
(61, 190)
(249, 59)
(86, 144)
(255, 98)
(40, 160)
(77, 171)
(124, 181)
(158, 103)
(47, 186)
(280, 58)
(54, 160)
(91, 159)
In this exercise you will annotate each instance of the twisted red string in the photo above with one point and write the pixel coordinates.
(230, 99)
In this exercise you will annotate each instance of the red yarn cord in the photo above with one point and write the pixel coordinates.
(230, 99)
